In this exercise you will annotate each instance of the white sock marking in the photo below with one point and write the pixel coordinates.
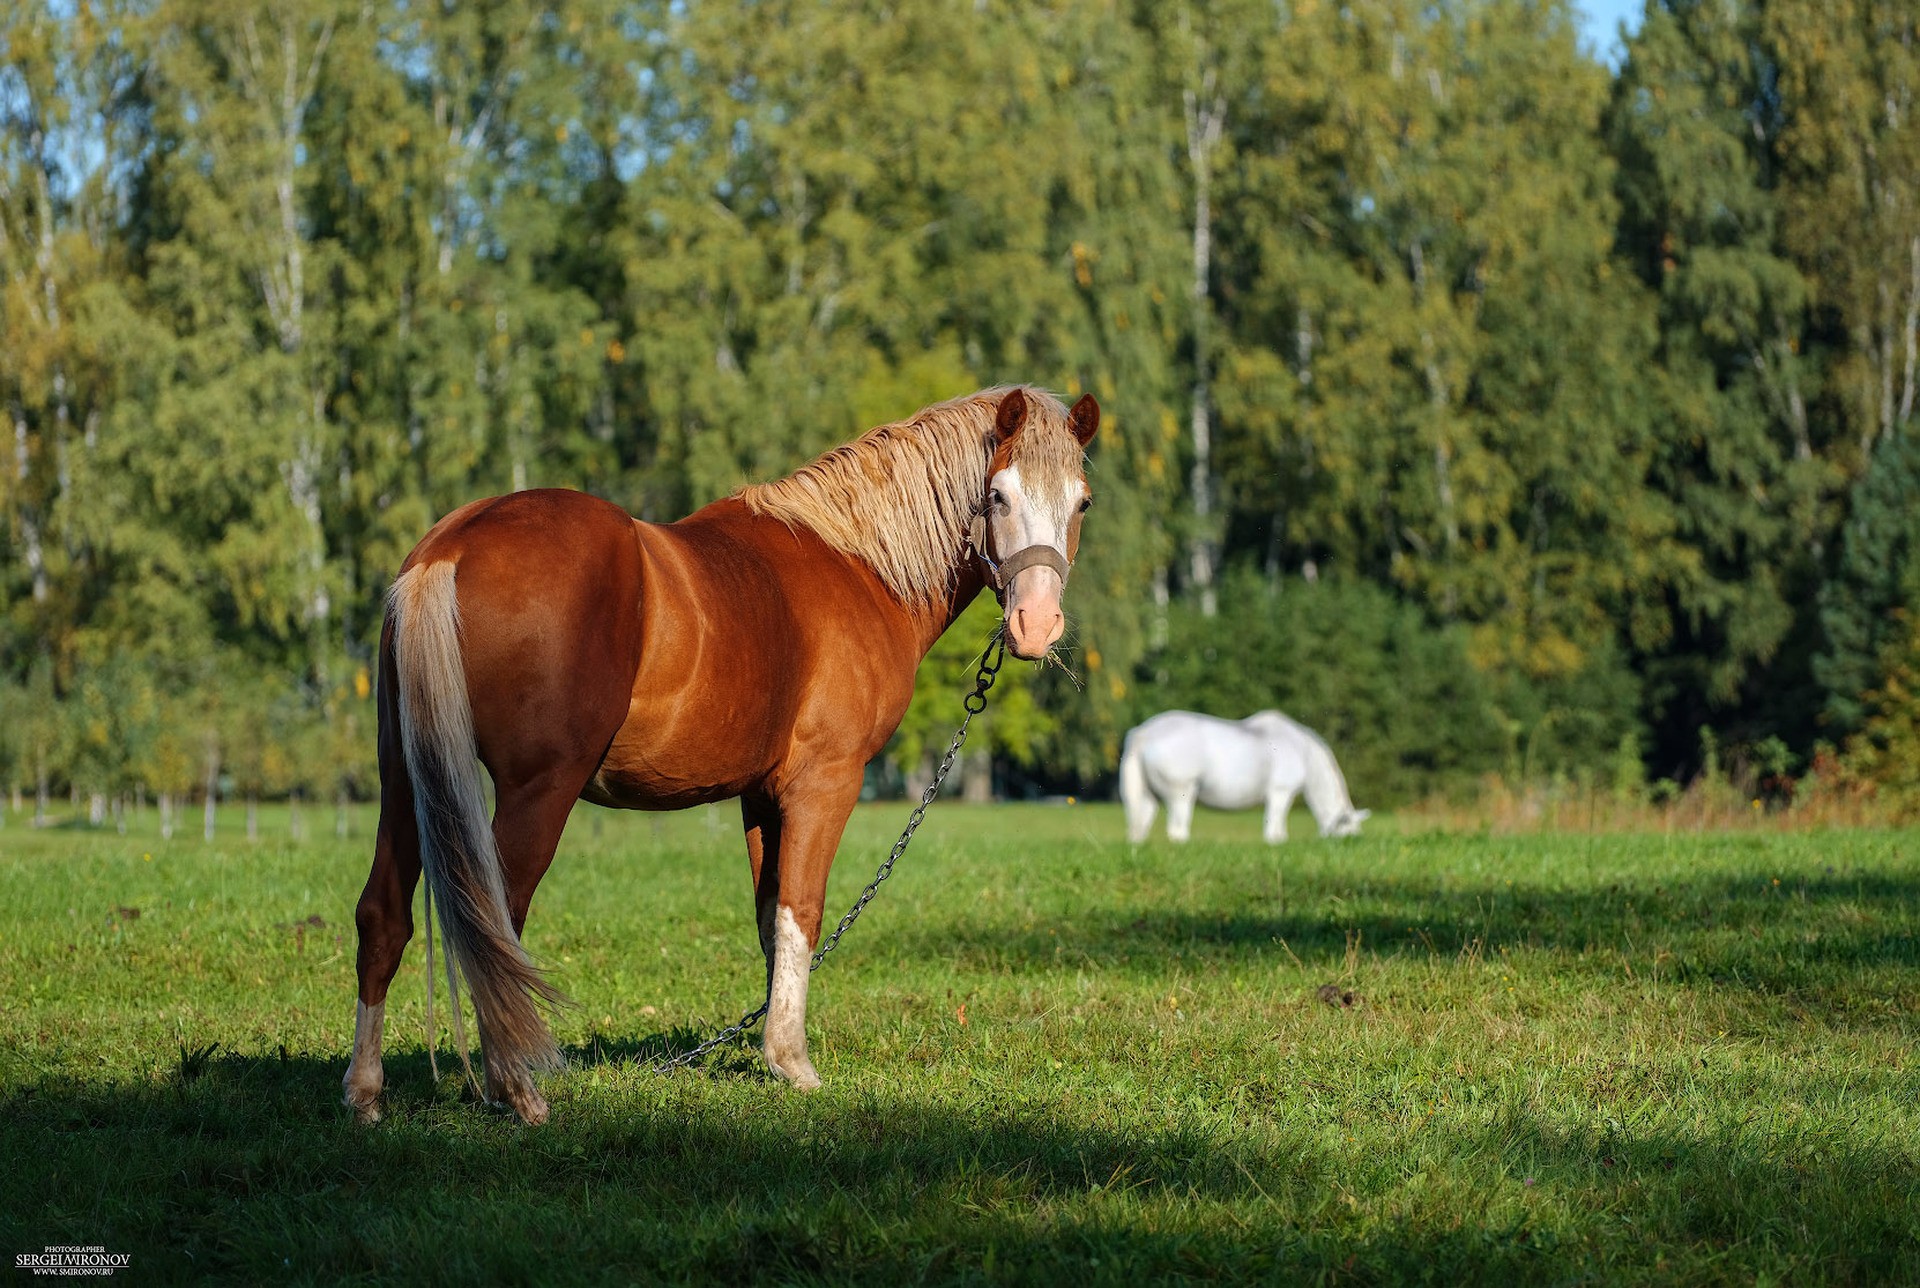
(787, 1001)
(364, 1074)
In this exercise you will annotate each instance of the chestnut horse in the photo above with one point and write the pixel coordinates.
(763, 647)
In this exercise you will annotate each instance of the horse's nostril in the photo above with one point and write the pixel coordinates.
(1038, 626)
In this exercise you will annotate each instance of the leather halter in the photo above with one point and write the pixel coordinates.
(1001, 572)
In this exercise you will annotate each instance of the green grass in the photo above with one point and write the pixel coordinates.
(1655, 1059)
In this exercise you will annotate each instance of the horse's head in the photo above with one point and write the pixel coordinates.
(1029, 530)
(1348, 824)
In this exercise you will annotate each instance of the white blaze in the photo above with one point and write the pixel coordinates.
(1020, 520)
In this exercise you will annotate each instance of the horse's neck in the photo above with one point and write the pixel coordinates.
(1326, 789)
(930, 621)
(735, 523)
(934, 620)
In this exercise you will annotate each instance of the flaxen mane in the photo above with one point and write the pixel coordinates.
(900, 496)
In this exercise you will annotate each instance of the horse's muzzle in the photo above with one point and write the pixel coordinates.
(1034, 620)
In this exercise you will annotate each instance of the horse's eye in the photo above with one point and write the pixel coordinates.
(996, 500)
(1085, 501)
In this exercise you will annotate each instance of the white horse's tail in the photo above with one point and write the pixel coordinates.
(1134, 792)
(457, 853)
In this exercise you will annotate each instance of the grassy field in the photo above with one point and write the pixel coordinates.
(1662, 1059)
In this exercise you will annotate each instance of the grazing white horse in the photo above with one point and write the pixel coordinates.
(1183, 758)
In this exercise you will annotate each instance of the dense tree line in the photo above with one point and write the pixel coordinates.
(1493, 410)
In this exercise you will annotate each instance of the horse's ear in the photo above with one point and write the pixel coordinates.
(1084, 419)
(1013, 414)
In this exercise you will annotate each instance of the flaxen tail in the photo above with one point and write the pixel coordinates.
(457, 852)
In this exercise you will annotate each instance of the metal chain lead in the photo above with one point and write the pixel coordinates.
(991, 660)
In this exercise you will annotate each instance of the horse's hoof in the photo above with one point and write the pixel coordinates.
(796, 1073)
(530, 1105)
(361, 1093)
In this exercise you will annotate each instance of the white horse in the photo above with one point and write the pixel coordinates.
(1180, 758)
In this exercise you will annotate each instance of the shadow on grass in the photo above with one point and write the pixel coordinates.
(247, 1169)
(1744, 931)
(734, 1060)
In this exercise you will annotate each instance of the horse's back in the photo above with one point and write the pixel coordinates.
(547, 585)
(1225, 763)
(1311, 748)
(1172, 742)
(543, 521)
(545, 568)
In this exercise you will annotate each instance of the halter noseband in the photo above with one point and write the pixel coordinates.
(1001, 572)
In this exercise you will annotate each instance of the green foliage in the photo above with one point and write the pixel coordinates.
(1396, 696)
(1877, 577)
(41, 736)
(1886, 751)
(1365, 670)
(1014, 725)
(1602, 383)
(1771, 213)
(1436, 381)
(1629, 776)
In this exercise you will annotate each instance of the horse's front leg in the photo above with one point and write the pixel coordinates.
(800, 847)
(1279, 804)
(1180, 803)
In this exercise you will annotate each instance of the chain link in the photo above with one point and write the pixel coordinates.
(991, 660)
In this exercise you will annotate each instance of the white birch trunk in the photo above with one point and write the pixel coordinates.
(208, 812)
(1206, 113)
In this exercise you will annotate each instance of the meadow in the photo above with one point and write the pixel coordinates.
(1416, 1057)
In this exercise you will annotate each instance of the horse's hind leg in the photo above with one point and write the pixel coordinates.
(1141, 807)
(1136, 794)
(527, 822)
(384, 918)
